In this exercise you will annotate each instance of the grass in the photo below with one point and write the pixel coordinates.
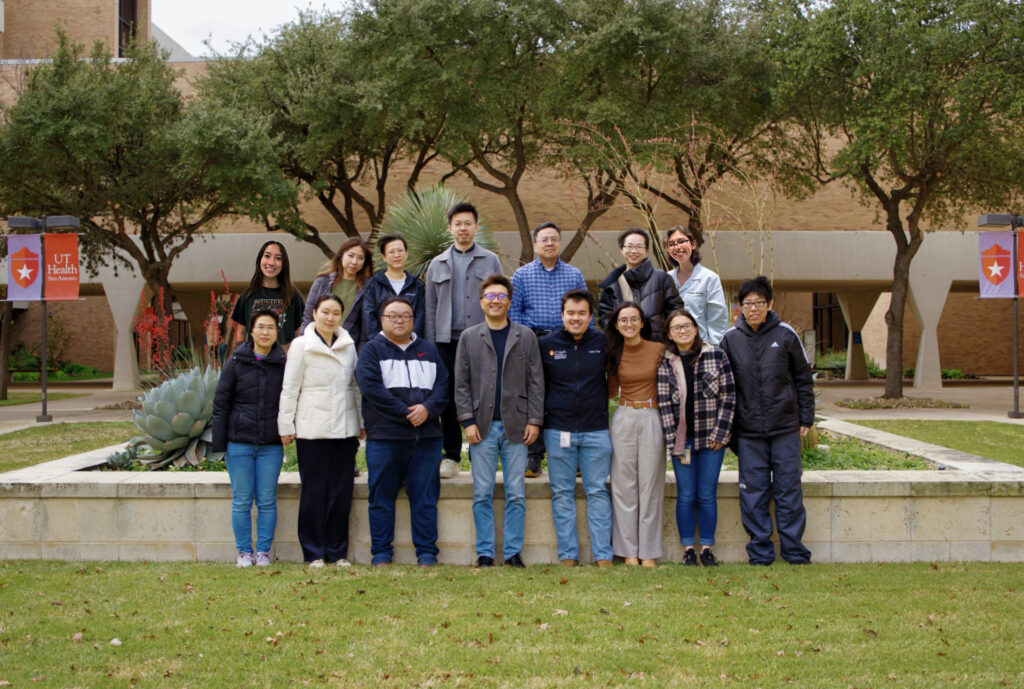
(1000, 441)
(193, 624)
(14, 398)
(43, 443)
(899, 403)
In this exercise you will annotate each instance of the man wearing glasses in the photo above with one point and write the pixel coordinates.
(499, 396)
(404, 387)
(537, 290)
(774, 409)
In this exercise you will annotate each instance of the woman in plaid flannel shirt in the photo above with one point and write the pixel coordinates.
(696, 402)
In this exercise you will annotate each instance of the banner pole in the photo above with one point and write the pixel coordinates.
(1016, 413)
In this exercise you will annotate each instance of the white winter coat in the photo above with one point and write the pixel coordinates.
(319, 398)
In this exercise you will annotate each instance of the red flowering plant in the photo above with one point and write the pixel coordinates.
(152, 327)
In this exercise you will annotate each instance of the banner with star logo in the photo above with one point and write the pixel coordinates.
(24, 267)
(996, 265)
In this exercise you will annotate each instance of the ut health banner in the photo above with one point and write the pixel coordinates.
(996, 265)
(34, 274)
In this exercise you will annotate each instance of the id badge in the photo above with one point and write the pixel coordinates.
(564, 439)
(685, 457)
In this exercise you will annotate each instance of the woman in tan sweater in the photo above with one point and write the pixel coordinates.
(638, 446)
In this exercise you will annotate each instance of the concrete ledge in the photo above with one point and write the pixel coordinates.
(56, 510)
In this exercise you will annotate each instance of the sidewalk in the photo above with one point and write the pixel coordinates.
(987, 403)
(74, 410)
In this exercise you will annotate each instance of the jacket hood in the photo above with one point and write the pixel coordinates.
(381, 277)
(770, 322)
(244, 353)
(343, 339)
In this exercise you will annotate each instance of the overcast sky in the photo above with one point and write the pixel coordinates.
(191, 22)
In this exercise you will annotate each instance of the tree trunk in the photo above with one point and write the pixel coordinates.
(522, 224)
(894, 323)
(6, 323)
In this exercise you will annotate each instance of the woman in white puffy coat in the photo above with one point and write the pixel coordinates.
(320, 410)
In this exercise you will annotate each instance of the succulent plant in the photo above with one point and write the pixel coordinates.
(125, 459)
(175, 418)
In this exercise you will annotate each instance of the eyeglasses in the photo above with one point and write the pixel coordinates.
(634, 247)
(685, 328)
(398, 317)
(681, 242)
(549, 240)
(490, 296)
(266, 327)
(398, 251)
(632, 320)
(760, 304)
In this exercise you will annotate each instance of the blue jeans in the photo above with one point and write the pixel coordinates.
(253, 470)
(484, 465)
(414, 463)
(591, 452)
(697, 486)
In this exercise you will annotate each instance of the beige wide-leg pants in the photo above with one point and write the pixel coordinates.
(637, 482)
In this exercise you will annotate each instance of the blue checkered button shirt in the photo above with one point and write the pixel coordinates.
(537, 293)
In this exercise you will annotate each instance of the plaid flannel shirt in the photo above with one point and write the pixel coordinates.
(714, 403)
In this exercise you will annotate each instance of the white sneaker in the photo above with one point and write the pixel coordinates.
(342, 563)
(262, 559)
(449, 468)
(244, 560)
(316, 564)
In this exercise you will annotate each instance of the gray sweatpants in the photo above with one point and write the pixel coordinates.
(637, 482)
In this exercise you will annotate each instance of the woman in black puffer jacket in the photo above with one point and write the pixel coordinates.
(245, 410)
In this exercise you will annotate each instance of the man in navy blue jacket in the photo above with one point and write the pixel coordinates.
(576, 428)
(405, 389)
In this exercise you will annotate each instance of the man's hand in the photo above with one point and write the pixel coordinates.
(473, 435)
(286, 440)
(417, 415)
(530, 434)
(804, 430)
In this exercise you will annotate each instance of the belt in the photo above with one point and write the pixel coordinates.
(645, 404)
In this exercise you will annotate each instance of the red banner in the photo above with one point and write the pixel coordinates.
(61, 252)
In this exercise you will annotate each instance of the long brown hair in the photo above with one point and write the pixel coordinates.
(334, 265)
(694, 255)
(614, 342)
(284, 279)
(670, 345)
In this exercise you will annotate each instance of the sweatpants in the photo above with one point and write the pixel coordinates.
(637, 483)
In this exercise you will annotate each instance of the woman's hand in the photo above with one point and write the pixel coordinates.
(286, 440)
(362, 434)
(715, 446)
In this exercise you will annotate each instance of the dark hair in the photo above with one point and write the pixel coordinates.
(495, 279)
(394, 300)
(578, 295)
(462, 207)
(263, 312)
(614, 341)
(621, 239)
(387, 239)
(324, 297)
(546, 226)
(334, 265)
(694, 255)
(284, 279)
(670, 345)
(758, 285)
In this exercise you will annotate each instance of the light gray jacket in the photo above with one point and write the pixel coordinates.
(522, 380)
(704, 298)
(439, 290)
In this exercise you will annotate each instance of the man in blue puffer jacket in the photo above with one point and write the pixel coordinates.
(774, 409)
(405, 389)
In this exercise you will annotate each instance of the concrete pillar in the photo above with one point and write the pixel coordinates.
(123, 294)
(856, 306)
(926, 299)
(196, 306)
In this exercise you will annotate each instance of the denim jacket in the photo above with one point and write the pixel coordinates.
(704, 298)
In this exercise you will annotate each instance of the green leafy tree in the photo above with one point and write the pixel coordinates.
(348, 114)
(915, 104)
(115, 144)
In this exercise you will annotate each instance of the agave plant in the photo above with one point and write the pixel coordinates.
(125, 459)
(176, 420)
(421, 217)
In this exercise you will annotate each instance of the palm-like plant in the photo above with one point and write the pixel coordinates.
(421, 217)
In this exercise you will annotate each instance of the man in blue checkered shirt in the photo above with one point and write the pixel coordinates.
(537, 290)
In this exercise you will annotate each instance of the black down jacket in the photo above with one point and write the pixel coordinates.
(247, 397)
(653, 289)
(774, 387)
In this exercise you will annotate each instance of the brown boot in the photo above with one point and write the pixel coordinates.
(649, 564)
(603, 564)
(567, 563)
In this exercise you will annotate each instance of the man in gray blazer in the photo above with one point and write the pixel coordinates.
(452, 282)
(499, 396)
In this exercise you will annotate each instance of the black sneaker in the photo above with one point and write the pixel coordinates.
(515, 561)
(690, 558)
(533, 465)
(707, 558)
(484, 561)
(355, 474)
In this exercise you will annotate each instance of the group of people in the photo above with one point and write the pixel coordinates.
(521, 368)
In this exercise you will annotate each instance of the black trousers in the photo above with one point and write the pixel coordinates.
(326, 468)
(451, 429)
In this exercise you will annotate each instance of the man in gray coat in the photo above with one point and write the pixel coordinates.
(452, 281)
(499, 396)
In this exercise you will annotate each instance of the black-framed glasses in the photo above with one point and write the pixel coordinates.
(685, 328)
(491, 297)
(398, 317)
(759, 304)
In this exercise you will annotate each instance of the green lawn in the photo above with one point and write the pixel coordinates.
(14, 398)
(210, 625)
(52, 441)
(1000, 441)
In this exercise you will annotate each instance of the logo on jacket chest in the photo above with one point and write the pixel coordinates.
(558, 354)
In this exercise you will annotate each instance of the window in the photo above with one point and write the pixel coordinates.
(127, 24)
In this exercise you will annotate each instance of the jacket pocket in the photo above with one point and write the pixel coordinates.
(522, 404)
(710, 384)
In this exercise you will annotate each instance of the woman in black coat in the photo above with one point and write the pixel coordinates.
(245, 425)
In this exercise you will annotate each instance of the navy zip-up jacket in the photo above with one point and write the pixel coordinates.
(774, 386)
(378, 290)
(392, 380)
(245, 403)
(575, 387)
